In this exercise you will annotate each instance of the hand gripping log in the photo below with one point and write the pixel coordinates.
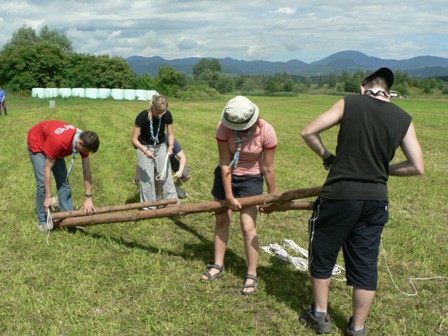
(187, 209)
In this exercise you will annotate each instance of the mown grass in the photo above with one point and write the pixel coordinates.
(142, 278)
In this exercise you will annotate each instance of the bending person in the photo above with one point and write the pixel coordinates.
(49, 142)
(246, 145)
(148, 137)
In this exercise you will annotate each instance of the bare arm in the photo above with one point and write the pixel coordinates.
(269, 170)
(137, 144)
(49, 163)
(224, 162)
(88, 202)
(170, 138)
(413, 165)
(311, 132)
(182, 163)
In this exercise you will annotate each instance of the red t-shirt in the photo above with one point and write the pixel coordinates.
(54, 138)
(262, 138)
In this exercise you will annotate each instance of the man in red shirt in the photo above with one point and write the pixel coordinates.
(49, 142)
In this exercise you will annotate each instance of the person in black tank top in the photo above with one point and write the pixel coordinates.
(353, 206)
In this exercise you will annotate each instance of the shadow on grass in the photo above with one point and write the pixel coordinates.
(281, 281)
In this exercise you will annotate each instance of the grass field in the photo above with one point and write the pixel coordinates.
(142, 278)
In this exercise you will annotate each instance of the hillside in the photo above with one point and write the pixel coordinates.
(350, 61)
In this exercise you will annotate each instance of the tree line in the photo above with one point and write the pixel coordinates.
(48, 59)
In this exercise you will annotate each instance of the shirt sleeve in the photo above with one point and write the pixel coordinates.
(168, 118)
(176, 148)
(221, 133)
(270, 137)
(139, 120)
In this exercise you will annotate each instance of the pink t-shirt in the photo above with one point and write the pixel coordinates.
(262, 138)
(54, 138)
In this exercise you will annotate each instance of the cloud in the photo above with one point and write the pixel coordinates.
(252, 29)
(187, 43)
(285, 10)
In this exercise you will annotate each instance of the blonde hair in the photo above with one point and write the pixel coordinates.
(158, 102)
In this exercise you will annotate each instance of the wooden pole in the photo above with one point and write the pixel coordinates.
(186, 209)
(290, 206)
(112, 208)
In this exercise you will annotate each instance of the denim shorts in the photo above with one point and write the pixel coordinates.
(356, 227)
(242, 185)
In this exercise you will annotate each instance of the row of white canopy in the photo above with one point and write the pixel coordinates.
(93, 93)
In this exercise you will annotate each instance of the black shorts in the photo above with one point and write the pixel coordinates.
(242, 185)
(354, 225)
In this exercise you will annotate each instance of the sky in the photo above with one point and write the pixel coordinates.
(305, 30)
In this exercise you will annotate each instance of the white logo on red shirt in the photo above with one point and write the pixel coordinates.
(61, 130)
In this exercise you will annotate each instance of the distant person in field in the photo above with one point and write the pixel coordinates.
(246, 146)
(49, 142)
(353, 206)
(3, 101)
(179, 167)
(148, 137)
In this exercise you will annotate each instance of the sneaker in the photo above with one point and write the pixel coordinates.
(180, 192)
(320, 324)
(351, 332)
(42, 228)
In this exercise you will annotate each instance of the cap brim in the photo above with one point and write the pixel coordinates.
(383, 72)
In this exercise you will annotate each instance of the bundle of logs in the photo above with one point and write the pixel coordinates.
(171, 208)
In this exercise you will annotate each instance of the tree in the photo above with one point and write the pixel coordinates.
(145, 82)
(56, 38)
(29, 60)
(169, 81)
(351, 86)
(332, 81)
(211, 65)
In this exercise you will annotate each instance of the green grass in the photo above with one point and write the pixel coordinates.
(142, 278)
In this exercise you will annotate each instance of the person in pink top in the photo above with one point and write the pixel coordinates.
(246, 145)
(49, 142)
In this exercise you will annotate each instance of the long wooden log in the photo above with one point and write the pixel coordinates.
(186, 209)
(112, 208)
(290, 206)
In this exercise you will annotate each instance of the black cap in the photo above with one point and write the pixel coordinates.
(383, 72)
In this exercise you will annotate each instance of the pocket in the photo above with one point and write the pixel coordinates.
(379, 212)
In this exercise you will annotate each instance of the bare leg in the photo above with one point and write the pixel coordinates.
(321, 288)
(362, 302)
(251, 243)
(222, 229)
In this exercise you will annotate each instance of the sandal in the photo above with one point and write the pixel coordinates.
(252, 285)
(210, 277)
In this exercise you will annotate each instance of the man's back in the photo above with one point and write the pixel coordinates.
(371, 129)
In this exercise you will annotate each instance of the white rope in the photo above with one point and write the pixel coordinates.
(410, 279)
(49, 225)
(188, 190)
(162, 175)
(299, 263)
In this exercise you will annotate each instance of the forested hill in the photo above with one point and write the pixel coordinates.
(350, 61)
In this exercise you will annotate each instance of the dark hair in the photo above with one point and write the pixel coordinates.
(90, 140)
(379, 82)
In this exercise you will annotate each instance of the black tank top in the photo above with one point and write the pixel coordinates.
(370, 132)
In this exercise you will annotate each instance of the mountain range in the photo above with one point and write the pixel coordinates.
(350, 61)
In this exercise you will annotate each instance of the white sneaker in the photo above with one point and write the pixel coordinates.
(42, 228)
